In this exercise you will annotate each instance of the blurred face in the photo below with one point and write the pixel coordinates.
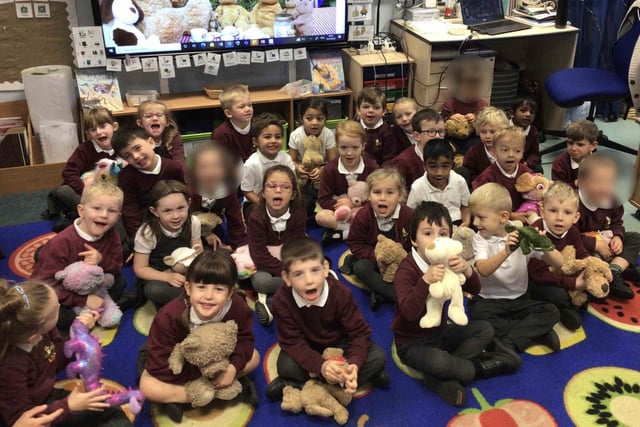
(384, 196)
(140, 153)
(427, 233)
(207, 299)
(51, 313)
(370, 113)
(209, 170)
(560, 216)
(429, 130)
(307, 278)
(599, 186)
(438, 171)
(99, 214)
(153, 120)
(486, 133)
(579, 150)
(278, 193)
(350, 151)
(508, 154)
(489, 222)
(402, 115)
(269, 142)
(313, 121)
(241, 111)
(172, 211)
(523, 116)
(102, 134)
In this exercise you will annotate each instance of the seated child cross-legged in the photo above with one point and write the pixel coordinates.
(168, 225)
(441, 184)
(481, 155)
(582, 140)
(449, 355)
(93, 239)
(279, 217)
(601, 225)
(315, 311)
(385, 214)
(518, 320)
(559, 214)
(209, 296)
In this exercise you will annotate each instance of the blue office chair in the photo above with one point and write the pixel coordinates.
(574, 86)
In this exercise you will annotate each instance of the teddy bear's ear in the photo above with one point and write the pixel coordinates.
(60, 275)
(525, 182)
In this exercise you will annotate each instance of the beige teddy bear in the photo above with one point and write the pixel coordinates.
(207, 347)
(459, 128)
(318, 399)
(230, 13)
(181, 258)
(169, 23)
(208, 221)
(303, 17)
(595, 274)
(312, 157)
(389, 254)
(264, 14)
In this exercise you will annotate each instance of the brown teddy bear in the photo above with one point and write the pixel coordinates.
(388, 255)
(312, 157)
(595, 274)
(207, 347)
(459, 128)
(169, 23)
(264, 14)
(318, 399)
(465, 235)
(230, 13)
(208, 221)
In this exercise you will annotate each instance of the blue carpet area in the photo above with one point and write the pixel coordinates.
(542, 379)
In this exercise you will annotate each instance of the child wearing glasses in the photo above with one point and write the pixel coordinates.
(441, 184)
(427, 124)
(155, 118)
(480, 156)
(266, 133)
(280, 216)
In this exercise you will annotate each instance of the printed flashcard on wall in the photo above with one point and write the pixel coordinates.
(167, 71)
(183, 61)
(359, 12)
(213, 58)
(360, 33)
(230, 59)
(88, 47)
(150, 65)
(286, 55)
(257, 57)
(165, 60)
(24, 10)
(114, 64)
(41, 10)
(212, 68)
(273, 55)
(199, 59)
(244, 58)
(300, 53)
(132, 63)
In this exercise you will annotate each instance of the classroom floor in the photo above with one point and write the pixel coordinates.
(594, 380)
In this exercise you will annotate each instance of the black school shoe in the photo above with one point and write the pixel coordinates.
(632, 274)
(570, 318)
(249, 393)
(174, 411)
(499, 346)
(550, 340)
(619, 289)
(264, 313)
(347, 264)
(451, 391)
(131, 300)
(375, 301)
(491, 364)
(380, 379)
(329, 237)
(275, 388)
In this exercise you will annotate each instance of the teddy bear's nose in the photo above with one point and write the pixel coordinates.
(132, 9)
(605, 288)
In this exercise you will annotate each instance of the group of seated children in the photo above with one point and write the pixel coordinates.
(413, 196)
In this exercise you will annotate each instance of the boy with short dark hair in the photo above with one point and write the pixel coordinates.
(582, 140)
(145, 168)
(601, 223)
(315, 311)
(235, 132)
(381, 144)
(441, 184)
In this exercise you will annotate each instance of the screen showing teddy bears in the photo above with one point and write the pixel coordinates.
(155, 26)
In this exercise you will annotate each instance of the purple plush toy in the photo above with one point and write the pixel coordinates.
(88, 364)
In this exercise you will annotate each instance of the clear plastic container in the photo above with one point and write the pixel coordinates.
(137, 97)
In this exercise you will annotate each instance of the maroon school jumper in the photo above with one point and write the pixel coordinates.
(411, 294)
(532, 147)
(600, 220)
(562, 170)
(241, 146)
(493, 174)
(410, 166)
(168, 329)
(83, 159)
(227, 207)
(136, 187)
(402, 140)
(177, 149)
(453, 106)
(476, 160)
(333, 183)
(381, 144)
(304, 332)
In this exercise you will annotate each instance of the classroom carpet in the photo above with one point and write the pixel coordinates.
(593, 381)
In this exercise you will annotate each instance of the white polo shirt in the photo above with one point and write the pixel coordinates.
(255, 167)
(298, 135)
(453, 197)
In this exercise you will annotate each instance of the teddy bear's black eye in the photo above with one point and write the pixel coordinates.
(540, 186)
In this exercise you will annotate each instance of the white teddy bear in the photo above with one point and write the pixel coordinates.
(449, 288)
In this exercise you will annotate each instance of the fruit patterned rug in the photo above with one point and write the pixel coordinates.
(623, 315)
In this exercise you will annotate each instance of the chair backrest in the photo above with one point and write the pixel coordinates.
(625, 45)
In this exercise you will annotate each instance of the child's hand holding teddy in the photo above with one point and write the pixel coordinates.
(343, 201)
(314, 175)
(603, 249)
(581, 283)
(513, 239)
(225, 378)
(435, 273)
(616, 245)
(459, 266)
(350, 378)
(88, 318)
(90, 401)
(332, 371)
(94, 302)
(175, 279)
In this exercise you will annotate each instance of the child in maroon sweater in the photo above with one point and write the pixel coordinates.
(212, 191)
(481, 155)
(582, 140)
(315, 311)
(524, 113)
(155, 118)
(209, 297)
(448, 355)
(601, 223)
(145, 168)
(508, 146)
(279, 217)
(99, 126)
(403, 111)
(385, 214)
(381, 144)
(235, 133)
(32, 354)
(93, 239)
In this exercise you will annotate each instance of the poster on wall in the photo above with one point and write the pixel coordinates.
(88, 47)
(99, 89)
(327, 72)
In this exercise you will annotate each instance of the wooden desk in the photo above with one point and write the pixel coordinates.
(539, 50)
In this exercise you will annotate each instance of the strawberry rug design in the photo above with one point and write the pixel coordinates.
(623, 315)
(504, 413)
(607, 395)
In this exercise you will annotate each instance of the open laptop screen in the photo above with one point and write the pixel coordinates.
(479, 11)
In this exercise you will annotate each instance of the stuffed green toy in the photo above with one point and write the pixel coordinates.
(530, 239)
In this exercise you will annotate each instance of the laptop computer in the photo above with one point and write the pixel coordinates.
(487, 17)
